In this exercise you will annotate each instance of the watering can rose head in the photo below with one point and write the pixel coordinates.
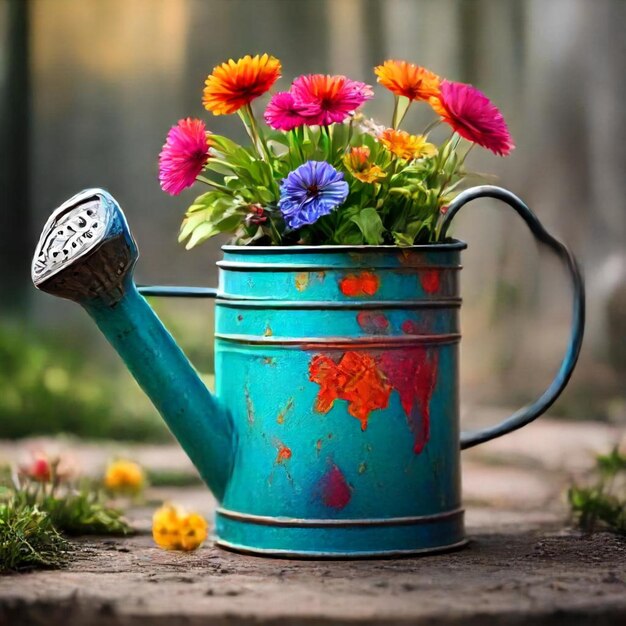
(320, 172)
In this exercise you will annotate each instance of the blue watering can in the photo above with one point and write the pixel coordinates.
(334, 428)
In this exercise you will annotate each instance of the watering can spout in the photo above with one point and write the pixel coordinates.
(87, 254)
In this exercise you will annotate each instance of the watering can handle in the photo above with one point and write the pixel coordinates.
(531, 412)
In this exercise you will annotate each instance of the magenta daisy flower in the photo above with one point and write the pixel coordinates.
(324, 99)
(184, 154)
(471, 114)
(282, 113)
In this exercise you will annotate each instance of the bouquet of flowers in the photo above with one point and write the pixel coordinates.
(320, 173)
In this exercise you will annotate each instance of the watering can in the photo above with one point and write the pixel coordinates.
(333, 431)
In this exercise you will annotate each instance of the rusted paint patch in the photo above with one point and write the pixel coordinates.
(373, 322)
(361, 284)
(411, 259)
(249, 405)
(356, 379)
(268, 331)
(318, 446)
(269, 360)
(240, 318)
(410, 327)
(302, 280)
(429, 279)
(362, 467)
(334, 489)
(281, 416)
(284, 454)
(413, 374)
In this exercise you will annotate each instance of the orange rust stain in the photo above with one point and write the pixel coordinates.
(281, 416)
(269, 360)
(302, 280)
(362, 284)
(356, 379)
(268, 331)
(429, 280)
(284, 454)
(318, 446)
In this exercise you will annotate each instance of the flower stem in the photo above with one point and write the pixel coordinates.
(265, 155)
(431, 126)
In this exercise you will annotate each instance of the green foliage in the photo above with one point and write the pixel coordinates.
(46, 387)
(603, 503)
(28, 538)
(401, 206)
(80, 512)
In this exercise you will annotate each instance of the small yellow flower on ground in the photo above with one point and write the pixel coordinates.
(175, 529)
(124, 476)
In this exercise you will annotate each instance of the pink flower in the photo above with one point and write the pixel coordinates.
(184, 154)
(324, 99)
(471, 114)
(282, 113)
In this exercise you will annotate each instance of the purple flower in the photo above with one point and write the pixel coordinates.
(312, 190)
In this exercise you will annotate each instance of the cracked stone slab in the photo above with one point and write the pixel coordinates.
(508, 575)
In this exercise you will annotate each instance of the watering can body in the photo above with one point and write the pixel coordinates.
(334, 428)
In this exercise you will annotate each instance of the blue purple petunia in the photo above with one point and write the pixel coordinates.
(312, 190)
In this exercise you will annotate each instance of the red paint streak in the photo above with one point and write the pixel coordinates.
(409, 327)
(284, 453)
(334, 488)
(413, 374)
(356, 379)
(372, 322)
(362, 284)
(430, 281)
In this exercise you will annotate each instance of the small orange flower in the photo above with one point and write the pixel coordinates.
(358, 164)
(175, 529)
(235, 84)
(124, 476)
(408, 80)
(406, 146)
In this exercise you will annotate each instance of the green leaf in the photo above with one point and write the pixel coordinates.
(371, 226)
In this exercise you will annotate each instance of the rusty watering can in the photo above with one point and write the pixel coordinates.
(334, 428)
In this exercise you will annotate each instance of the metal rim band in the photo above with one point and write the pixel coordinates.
(294, 522)
(452, 244)
(340, 343)
(440, 303)
(382, 554)
(243, 266)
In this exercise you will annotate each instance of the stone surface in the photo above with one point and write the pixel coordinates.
(524, 564)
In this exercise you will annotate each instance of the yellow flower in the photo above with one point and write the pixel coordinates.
(235, 84)
(406, 146)
(358, 164)
(124, 476)
(175, 529)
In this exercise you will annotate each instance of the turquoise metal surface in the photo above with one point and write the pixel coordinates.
(334, 430)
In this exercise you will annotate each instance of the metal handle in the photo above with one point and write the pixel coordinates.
(170, 291)
(531, 412)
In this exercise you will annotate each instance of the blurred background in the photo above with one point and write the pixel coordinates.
(88, 90)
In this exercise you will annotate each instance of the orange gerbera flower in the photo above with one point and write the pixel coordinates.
(358, 164)
(408, 80)
(235, 84)
(406, 146)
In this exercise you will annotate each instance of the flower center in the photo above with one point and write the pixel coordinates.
(313, 190)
